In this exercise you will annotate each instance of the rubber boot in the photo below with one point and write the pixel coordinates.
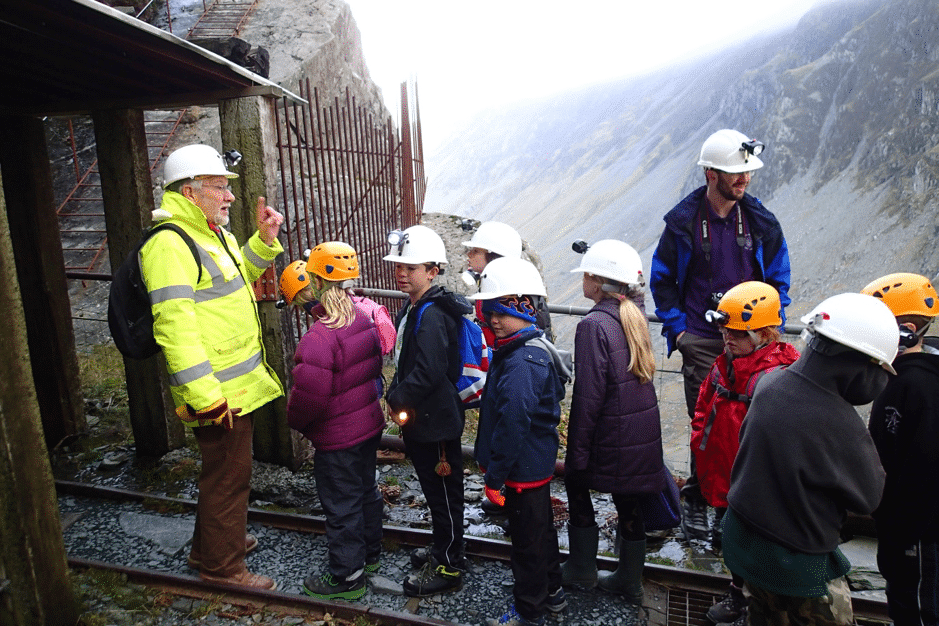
(626, 580)
(580, 568)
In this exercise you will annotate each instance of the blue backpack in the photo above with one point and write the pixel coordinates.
(474, 354)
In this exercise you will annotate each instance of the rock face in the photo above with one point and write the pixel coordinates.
(319, 40)
(846, 102)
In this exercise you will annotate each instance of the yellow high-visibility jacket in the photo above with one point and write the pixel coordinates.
(209, 331)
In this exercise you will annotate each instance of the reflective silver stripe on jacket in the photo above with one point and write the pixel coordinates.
(219, 288)
(238, 369)
(172, 292)
(251, 257)
(190, 374)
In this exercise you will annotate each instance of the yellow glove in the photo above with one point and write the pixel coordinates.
(218, 413)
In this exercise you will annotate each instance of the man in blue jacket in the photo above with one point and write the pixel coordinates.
(715, 238)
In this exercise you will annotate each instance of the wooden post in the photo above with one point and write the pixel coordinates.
(127, 192)
(40, 270)
(248, 127)
(32, 553)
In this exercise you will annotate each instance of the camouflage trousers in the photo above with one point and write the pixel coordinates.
(770, 609)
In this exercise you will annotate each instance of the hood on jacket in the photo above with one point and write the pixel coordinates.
(842, 371)
(451, 302)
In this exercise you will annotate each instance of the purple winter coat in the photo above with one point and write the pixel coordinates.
(614, 434)
(334, 399)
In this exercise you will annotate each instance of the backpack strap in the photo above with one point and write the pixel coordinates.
(723, 392)
(712, 378)
(185, 236)
(562, 359)
(420, 313)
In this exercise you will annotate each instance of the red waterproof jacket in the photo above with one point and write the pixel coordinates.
(722, 404)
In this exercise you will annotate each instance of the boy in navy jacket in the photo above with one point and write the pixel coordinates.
(517, 438)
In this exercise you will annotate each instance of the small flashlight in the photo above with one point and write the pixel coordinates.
(402, 418)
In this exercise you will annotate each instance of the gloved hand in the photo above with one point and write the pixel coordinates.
(218, 413)
(494, 496)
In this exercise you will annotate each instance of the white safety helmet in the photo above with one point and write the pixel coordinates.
(194, 160)
(497, 237)
(613, 259)
(416, 245)
(731, 151)
(860, 322)
(509, 277)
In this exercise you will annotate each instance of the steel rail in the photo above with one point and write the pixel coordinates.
(670, 578)
(193, 587)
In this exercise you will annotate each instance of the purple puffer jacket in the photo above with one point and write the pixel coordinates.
(334, 399)
(614, 434)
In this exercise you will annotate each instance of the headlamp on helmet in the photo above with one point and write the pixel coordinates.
(398, 238)
(752, 147)
(580, 246)
(231, 157)
(719, 318)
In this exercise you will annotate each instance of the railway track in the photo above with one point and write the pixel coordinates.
(674, 596)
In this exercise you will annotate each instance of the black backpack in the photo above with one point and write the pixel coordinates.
(129, 315)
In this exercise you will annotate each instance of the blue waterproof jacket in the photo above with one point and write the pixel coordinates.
(517, 437)
(672, 258)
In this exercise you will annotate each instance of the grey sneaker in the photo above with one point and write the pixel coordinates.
(694, 520)
(432, 579)
(557, 601)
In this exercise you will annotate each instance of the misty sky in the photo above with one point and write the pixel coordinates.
(471, 56)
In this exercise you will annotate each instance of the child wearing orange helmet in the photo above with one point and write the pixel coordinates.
(334, 402)
(904, 424)
(749, 319)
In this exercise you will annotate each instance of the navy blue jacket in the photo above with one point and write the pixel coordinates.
(517, 436)
(672, 258)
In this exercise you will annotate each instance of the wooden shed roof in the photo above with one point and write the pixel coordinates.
(76, 56)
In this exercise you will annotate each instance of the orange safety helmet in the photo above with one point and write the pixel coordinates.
(905, 294)
(293, 279)
(749, 306)
(333, 261)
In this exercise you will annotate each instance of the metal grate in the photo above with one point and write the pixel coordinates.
(688, 608)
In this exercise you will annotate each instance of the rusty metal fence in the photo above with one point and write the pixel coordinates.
(347, 176)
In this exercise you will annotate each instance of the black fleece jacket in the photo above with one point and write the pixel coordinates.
(805, 456)
(905, 426)
(429, 366)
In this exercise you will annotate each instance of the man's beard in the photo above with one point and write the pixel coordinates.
(728, 192)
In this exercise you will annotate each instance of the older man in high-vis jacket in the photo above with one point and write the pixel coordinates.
(210, 333)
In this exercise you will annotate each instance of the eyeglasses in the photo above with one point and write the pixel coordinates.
(223, 190)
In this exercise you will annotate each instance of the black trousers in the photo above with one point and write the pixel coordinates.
(345, 481)
(536, 560)
(444, 495)
(911, 569)
(580, 508)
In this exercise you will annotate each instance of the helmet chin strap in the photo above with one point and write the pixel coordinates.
(614, 287)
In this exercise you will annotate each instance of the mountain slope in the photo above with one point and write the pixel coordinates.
(847, 102)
